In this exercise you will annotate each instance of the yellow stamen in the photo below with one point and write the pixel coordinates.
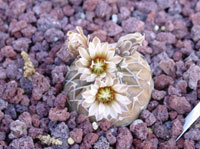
(105, 95)
(98, 66)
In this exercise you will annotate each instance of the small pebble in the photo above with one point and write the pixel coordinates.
(70, 141)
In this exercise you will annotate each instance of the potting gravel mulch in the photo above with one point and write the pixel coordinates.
(38, 107)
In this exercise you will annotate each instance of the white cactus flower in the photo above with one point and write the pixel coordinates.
(106, 99)
(98, 61)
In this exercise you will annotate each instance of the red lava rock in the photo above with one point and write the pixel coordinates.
(35, 120)
(3, 104)
(72, 121)
(8, 51)
(1, 115)
(86, 126)
(26, 118)
(168, 66)
(148, 117)
(90, 139)
(76, 134)
(166, 37)
(68, 10)
(195, 32)
(147, 145)
(172, 115)
(105, 125)
(162, 81)
(21, 44)
(43, 7)
(28, 17)
(61, 100)
(5, 123)
(17, 26)
(3, 38)
(195, 18)
(18, 129)
(2, 73)
(189, 144)
(161, 113)
(173, 91)
(168, 144)
(102, 143)
(45, 23)
(146, 6)
(192, 75)
(176, 128)
(34, 132)
(100, 34)
(90, 5)
(103, 9)
(111, 137)
(25, 101)
(182, 86)
(177, 56)
(112, 29)
(132, 25)
(12, 71)
(40, 85)
(26, 142)
(58, 74)
(152, 105)
(28, 31)
(163, 4)
(56, 114)
(63, 54)
(161, 131)
(53, 35)
(192, 134)
(81, 118)
(139, 130)
(124, 13)
(16, 8)
(76, 2)
(124, 138)
(42, 109)
(18, 97)
(10, 90)
(179, 104)
(158, 95)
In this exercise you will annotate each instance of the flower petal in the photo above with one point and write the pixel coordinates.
(111, 67)
(113, 113)
(116, 59)
(122, 99)
(84, 54)
(85, 104)
(116, 107)
(93, 109)
(120, 88)
(109, 81)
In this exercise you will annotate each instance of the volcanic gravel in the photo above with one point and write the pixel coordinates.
(38, 107)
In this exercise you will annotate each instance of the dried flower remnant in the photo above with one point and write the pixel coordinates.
(128, 44)
(106, 99)
(28, 66)
(99, 61)
(48, 140)
(77, 40)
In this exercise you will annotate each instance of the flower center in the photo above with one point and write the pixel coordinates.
(98, 66)
(105, 95)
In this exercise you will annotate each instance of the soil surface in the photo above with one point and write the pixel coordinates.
(38, 107)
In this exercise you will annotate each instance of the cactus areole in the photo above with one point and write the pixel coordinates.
(108, 81)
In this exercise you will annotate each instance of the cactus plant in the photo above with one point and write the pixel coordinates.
(108, 81)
